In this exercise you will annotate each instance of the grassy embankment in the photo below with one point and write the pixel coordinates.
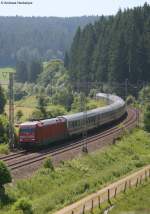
(51, 190)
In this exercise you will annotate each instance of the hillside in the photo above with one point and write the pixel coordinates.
(48, 37)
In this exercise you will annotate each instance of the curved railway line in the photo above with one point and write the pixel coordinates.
(19, 160)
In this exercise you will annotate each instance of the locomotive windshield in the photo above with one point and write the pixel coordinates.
(26, 130)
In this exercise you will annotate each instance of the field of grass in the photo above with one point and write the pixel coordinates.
(51, 190)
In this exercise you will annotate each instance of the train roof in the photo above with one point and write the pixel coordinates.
(43, 122)
(30, 123)
(114, 103)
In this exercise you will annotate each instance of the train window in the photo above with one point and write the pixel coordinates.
(78, 122)
(27, 130)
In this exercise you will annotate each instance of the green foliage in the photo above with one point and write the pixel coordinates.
(2, 100)
(4, 149)
(144, 95)
(29, 65)
(63, 97)
(3, 129)
(54, 72)
(41, 106)
(23, 204)
(48, 164)
(5, 176)
(55, 110)
(36, 115)
(130, 100)
(147, 118)
(19, 115)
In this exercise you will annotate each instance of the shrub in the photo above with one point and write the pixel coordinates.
(36, 115)
(55, 110)
(48, 164)
(5, 177)
(19, 115)
(130, 100)
(3, 129)
(147, 118)
(4, 149)
(23, 204)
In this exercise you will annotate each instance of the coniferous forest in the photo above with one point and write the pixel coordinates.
(45, 37)
(113, 49)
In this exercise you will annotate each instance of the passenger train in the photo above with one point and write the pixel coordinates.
(62, 127)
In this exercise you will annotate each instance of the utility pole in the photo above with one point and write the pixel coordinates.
(84, 124)
(11, 105)
(11, 112)
(85, 149)
(126, 88)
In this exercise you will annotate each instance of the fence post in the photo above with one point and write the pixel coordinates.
(92, 206)
(141, 179)
(99, 202)
(109, 197)
(84, 209)
(115, 192)
(72, 212)
(145, 175)
(125, 187)
(137, 182)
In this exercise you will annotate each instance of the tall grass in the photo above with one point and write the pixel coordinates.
(4, 149)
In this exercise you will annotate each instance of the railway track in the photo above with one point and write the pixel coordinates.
(22, 159)
(13, 156)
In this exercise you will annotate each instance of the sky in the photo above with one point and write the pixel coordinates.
(65, 8)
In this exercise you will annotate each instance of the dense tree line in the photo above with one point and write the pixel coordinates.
(51, 36)
(112, 49)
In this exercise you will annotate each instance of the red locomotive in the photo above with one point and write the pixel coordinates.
(43, 132)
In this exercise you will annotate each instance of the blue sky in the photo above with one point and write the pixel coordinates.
(63, 8)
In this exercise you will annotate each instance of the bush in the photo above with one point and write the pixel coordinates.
(4, 149)
(2, 100)
(55, 111)
(24, 205)
(36, 115)
(48, 164)
(3, 129)
(147, 118)
(5, 177)
(130, 100)
(19, 114)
